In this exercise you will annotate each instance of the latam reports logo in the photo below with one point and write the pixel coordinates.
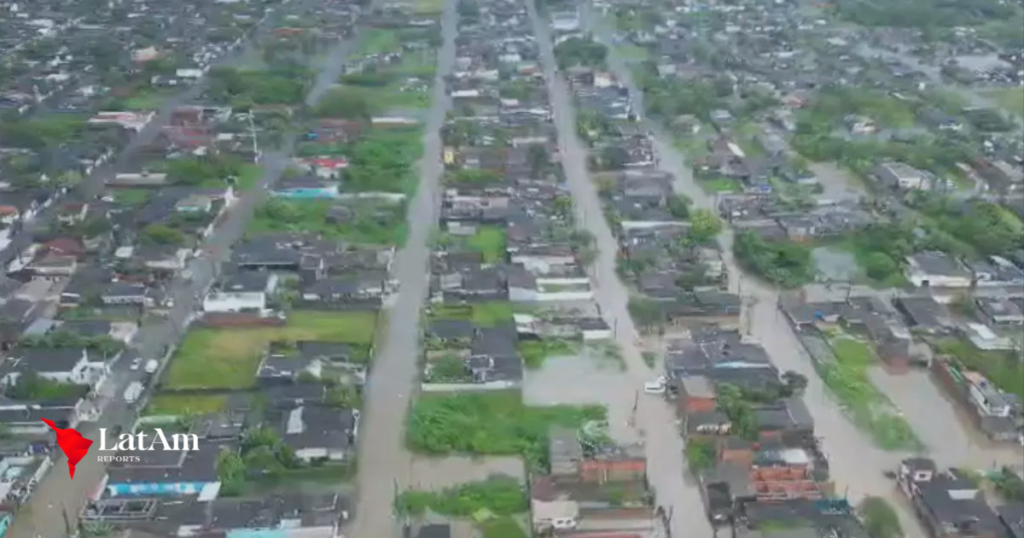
(75, 447)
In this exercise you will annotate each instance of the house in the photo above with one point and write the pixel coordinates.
(948, 504)
(318, 432)
(124, 293)
(937, 270)
(999, 311)
(73, 366)
(902, 176)
(242, 291)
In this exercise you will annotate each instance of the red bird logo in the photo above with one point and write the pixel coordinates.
(71, 443)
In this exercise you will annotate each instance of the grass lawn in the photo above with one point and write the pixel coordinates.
(632, 53)
(868, 407)
(488, 314)
(170, 404)
(496, 423)
(502, 527)
(721, 184)
(228, 358)
(146, 100)
(379, 41)
(1002, 368)
(370, 222)
(1011, 99)
(133, 197)
(489, 241)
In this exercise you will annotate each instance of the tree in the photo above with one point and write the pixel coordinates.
(795, 383)
(345, 103)
(700, 454)
(231, 470)
(880, 266)
(679, 206)
(342, 395)
(880, 519)
(162, 234)
(259, 437)
(704, 226)
(262, 461)
(740, 412)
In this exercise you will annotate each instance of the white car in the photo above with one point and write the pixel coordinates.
(136, 363)
(657, 386)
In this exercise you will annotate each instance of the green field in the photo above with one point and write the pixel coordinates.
(228, 358)
(1011, 99)
(192, 404)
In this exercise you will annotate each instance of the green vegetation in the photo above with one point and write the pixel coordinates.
(722, 184)
(701, 454)
(379, 41)
(42, 130)
(1002, 368)
(1008, 484)
(502, 527)
(228, 358)
(244, 88)
(490, 242)
(498, 495)
(174, 405)
(880, 519)
(383, 161)
(489, 424)
(930, 16)
(982, 227)
(486, 314)
(365, 222)
(30, 386)
(783, 263)
(1011, 99)
(213, 171)
(534, 352)
(869, 409)
(577, 51)
(650, 358)
(145, 99)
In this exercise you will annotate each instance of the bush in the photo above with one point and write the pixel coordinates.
(490, 424)
(499, 495)
(880, 519)
(783, 263)
(700, 454)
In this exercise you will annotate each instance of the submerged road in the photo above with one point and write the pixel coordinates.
(654, 421)
(384, 464)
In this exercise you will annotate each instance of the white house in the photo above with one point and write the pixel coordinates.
(62, 365)
(245, 291)
(936, 270)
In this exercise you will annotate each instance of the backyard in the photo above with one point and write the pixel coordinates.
(486, 314)
(869, 409)
(211, 358)
(489, 241)
(497, 424)
(366, 222)
(1011, 99)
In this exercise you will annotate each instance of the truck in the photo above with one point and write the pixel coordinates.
(134, 390)
(151, 366)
